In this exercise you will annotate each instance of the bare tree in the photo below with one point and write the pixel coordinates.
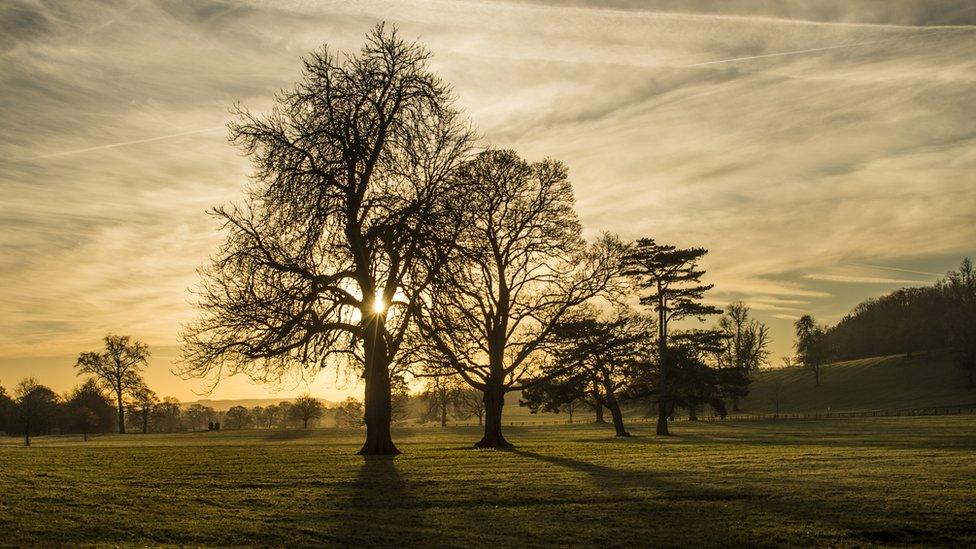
(119, 368)
(518, 266)
(306, 408)
(238, 417)
(441, 396)
(349, 413)
(37, 406)
(470, 403)
(746, 349)
(322, 264)
(144, 402)
(169, 414)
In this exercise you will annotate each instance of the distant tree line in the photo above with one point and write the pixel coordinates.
(906, 321)
(116, 398)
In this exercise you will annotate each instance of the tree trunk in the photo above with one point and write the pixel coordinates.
(86, 436)
(735, 403)
(444, 415)
(662, 418)
(304, 423)
(816, 374)
(27, 433)
(118, 401)
(377, 407)
(145, 421)
(599, 412)
(494, 399)
(692, 412)
(662, 346)
(618, 417)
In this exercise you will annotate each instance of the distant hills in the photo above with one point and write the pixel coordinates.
(890, 382)
(227, 404)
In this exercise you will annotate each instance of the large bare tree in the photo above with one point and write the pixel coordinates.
(518, 267)
(118, 368)
(322, 262)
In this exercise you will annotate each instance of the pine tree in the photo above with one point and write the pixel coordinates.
(672, 279)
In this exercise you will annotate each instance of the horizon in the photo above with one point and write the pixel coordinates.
(822, 161)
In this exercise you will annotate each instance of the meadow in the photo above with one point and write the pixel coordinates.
(877, 383)
(853, 482)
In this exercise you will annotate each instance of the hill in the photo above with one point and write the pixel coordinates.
(866, 384)
(227, 404)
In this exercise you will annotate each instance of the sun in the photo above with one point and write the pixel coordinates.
(379, 306)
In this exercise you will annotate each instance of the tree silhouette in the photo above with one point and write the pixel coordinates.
(696, 379)
(306, 408)
(118, 368)
(143, 403)
(36, 407)
(745, 349)
(7, 408)
(470, 403)
(323, 263)
(441, 396)
(811, 345)
(959, 291)
(89, 410)
(904, 321)
(604, 354)
(672, 279)
(518, 267)
(349, 413)
(238, 417)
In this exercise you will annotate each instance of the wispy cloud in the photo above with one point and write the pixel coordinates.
(120, 144)
(863, 279)
(785, 146)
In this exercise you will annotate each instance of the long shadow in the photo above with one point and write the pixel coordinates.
(622, 480)
(379, 507)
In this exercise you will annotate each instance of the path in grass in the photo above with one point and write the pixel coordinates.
(886, 481)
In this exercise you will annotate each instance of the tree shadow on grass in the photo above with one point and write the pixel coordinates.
(618, 480)
(379, 508)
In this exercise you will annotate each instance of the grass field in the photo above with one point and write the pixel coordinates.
(890, 382)
(840, 482)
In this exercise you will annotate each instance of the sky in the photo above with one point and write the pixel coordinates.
(823, 151)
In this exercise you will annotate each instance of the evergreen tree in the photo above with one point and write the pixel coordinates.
(672, 280)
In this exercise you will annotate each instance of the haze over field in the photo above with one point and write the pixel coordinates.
(823, 154)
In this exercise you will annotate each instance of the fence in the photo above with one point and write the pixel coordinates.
(893, 412)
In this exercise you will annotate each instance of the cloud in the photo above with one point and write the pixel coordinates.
(865, 279)
(788, 138)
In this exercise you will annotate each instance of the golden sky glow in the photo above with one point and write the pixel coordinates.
(822, 155)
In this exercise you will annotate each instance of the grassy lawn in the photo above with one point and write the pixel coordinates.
(843, 482)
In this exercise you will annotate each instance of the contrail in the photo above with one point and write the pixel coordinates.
(826, 48)
(895, 269)
(794, 52)
(122, 144)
